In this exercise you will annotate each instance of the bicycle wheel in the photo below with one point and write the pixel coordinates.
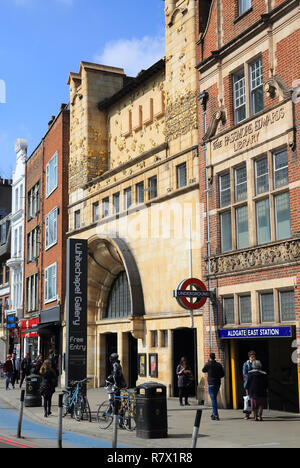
(78, 406)
(87, 410)
(66, 405)
(129, 417)
(105, 415)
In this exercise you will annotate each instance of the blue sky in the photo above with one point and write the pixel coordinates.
(41, 41)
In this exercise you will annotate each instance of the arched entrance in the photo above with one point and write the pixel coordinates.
(115, 307)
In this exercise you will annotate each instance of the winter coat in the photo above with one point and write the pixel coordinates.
(257, 384)
(214, 371)
(26, 366)
(8, 367)
(48, 384)
(117, 375)
(184, 380)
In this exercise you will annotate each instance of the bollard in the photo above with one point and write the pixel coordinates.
(60, 418)
(116, 423)
(21, 414)
(196, 428)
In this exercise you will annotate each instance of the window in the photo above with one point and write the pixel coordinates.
(262, 175)
(105, 207)
(244, 5)
(164, 339)
(224, 182)
(20, 242)
(119, 303)
(16, 199)
(280, 164)
(51, 228)
(7, 274)
(240, 183)
(263, 221)
(245, 309)
(287, 306)
(242, 232)
(77, 221)
(51, 175)
(34, 201)
(50, 283)
(181, 175)
(16, 243)
(226, 232)
(128, 198)
(32, 288)
(152, 183)
(228, 310)
(154, 339)
(140, 193)
(95, 211)
(116, 203)
(239, 96)
(267, 307)
(256, 87)
(282, 216)
(33, 245)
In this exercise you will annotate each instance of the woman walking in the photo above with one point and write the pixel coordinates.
(185, 379)
(257, 386)
(47, 386)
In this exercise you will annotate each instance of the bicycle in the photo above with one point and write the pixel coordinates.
(127, 411)
(75, 402)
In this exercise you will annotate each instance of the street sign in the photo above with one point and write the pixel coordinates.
(191, 294)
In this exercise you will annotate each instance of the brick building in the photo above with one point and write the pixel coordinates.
(248, 65)
(5, 210)
(46, 224)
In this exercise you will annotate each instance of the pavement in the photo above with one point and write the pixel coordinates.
(278, 430)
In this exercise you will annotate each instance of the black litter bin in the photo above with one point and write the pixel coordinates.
(151, 411)
(33, 397)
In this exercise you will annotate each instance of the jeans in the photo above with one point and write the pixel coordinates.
(7, 380)
(213, 391)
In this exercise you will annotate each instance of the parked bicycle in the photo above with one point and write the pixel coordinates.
(75, 401)
(127, 409)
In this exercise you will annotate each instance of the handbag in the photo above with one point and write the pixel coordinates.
(247, 404)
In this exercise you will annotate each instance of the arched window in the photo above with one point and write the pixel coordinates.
(119, 304)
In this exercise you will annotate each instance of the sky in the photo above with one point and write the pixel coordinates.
(42, 41)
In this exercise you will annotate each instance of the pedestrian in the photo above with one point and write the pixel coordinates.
(54, 360)
(8, 371)
(215, 373)
(48, 384)
(116, 377)
(257, 386)
(37, 364)
(247, 367)
(25, 368)
(16, 369)
(185, 379)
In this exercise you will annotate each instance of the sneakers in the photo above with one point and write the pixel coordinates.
(215, 418)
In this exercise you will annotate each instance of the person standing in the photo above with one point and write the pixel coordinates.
(48, 385)
(185, 378)
(25, 368)
(16, 369)
(247, 367)
(257, 386)
(215, 373)
(8, 371)
(37, 364)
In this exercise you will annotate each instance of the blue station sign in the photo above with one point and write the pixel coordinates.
(260, 332)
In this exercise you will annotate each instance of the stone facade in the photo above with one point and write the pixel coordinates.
(140, 132)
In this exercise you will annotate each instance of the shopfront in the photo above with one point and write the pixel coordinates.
(274, 348)
(49, 330)
(30, 337)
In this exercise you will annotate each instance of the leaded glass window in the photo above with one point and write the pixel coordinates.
(119, 303)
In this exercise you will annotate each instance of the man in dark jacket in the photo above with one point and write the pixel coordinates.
(257, 386)
(116, 376)
(215, 373)
(8, 371)
(25, 368)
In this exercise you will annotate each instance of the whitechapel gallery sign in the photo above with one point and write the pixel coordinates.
(254, 132)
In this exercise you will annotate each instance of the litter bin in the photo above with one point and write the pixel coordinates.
(33, 397)
(151, 411)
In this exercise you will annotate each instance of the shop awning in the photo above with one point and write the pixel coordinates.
(29, 327)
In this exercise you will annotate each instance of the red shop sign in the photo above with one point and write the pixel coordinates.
(28, 326)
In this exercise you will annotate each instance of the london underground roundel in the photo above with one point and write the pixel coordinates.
(191, 294)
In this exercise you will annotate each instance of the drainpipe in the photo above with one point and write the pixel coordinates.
(203, 98)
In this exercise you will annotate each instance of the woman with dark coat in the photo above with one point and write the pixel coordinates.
(257, 386)
(37, 364)
(185, 378)
(48, 385)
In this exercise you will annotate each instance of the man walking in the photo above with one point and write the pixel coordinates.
(215, 373)
(16, 368)
(8, 371)
(247, 367)
(25, 368)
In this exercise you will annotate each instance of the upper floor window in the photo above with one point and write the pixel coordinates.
(96, 211)
(262, 175)
(116, 203)
(224, 182)
(256, 87)
(240, 183)
(50, 283)
(281, 175)
(51, 228)
(239, 96)
(119, 302)
(77, 220)
(140, 193)
(181, 175)
(34, 201)
(128, 198)
(152, 183)
(16, 199)
(105, 207)
(244, 5)
(51, 175)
